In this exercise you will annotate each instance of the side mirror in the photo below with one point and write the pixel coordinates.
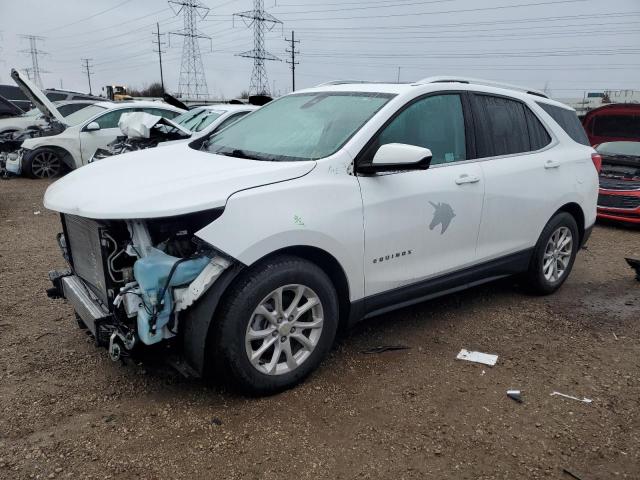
(398, 156)
(92, 127)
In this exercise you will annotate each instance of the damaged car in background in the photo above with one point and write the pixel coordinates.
(141, 131)
(31, 124)
(619, 197)
(69, 142)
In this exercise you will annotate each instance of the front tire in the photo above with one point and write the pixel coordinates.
(42, 163)
(554, 255)
(276, 324)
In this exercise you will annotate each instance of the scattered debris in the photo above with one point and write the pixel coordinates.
(477, 357)
(216, 421)
(615, 336)
(515, 395)
(564, 470)
(385, 348)
(37, 212)
(583, 399)
(635, 264)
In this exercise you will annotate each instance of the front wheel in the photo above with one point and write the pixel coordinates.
(554, 254)
(42, 163)
(276, 324)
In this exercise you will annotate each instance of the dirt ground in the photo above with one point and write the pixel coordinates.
(67, 411)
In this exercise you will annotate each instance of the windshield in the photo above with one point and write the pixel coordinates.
(34, 112)
(84, 114)
(619, 148)
(197, 119)
(304, 126)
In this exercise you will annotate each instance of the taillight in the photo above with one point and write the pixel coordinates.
(597, 161)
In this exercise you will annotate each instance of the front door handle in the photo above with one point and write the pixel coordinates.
(464, 178)
(551, 164)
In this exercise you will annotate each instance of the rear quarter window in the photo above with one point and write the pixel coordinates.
(568, 121)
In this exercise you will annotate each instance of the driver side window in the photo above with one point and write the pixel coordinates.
(435, 122)
(110, 119)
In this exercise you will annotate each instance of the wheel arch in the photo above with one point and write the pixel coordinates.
(576, 212)
(65, 155)
(199, 319)
(329, 265)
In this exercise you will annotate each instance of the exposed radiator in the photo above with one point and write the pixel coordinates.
(84, 243)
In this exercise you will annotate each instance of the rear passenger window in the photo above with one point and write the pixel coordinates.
(568, 120)
(435, 122)
(501, 126)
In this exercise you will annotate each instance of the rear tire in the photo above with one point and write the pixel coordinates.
(266, 337)
(554, 255)
(42, 163)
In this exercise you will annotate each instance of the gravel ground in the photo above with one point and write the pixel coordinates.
(67, 411)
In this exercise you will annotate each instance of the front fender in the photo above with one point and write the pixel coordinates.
(321, 210)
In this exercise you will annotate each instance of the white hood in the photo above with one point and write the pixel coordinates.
(35, 95)
(163, 182)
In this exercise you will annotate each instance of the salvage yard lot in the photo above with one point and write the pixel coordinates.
(67, 411)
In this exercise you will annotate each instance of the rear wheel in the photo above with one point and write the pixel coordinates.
(554, 254)
(42, 163)
(277, 323)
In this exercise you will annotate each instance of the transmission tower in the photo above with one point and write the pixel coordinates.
(193, 83)
(86, 67)
(261, 21)
(35, 52)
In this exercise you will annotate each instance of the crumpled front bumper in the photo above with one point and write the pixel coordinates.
(87, 307)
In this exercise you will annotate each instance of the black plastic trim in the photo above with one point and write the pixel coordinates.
(384, 302)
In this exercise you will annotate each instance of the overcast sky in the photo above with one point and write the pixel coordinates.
(566, 46)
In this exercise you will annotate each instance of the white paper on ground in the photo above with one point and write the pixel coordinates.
(477, 357)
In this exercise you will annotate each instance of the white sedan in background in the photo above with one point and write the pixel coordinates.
(83, 132)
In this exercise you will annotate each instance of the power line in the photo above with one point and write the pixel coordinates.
(193, 83)
(440, 12)
(260, 20)
(35, 70)
(159, 44)
(292, 62)
(86, 67)
(89, 17)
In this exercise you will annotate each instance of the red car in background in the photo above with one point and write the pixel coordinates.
(619, 195)
(613, 123)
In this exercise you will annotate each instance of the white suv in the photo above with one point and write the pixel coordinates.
(249, 249)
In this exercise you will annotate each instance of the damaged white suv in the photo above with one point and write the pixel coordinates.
(248, 250)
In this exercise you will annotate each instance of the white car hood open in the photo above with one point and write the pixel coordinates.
(155, 183)
(39, 99)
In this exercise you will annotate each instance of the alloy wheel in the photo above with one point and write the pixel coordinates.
(557, 254)
(45, 164)
(284, 329)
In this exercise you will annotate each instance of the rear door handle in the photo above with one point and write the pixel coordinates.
(551, 164)
(464, 178)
